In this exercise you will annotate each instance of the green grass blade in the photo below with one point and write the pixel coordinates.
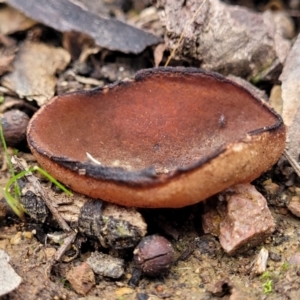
(10, 166)
(53, 180)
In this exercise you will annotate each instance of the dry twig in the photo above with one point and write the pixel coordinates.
(40, 191)
(184, 31)
(292, 161)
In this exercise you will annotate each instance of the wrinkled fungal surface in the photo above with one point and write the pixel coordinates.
(161, 128)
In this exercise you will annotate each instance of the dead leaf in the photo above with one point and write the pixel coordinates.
(34, 72)
(67, 16)
(12, 21)
(76, 42)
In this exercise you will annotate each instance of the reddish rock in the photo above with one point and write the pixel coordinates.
(294, 206)
(248, 221)
(81, 278)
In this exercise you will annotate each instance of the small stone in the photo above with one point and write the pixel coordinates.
(294, 206)
(16, 239)
(123, 291)
(295, 259)
(271, 187)
(9, 279)
(28, 235)
(159, 288)
(49, 253)
(246, 221)
(274, 256)
(81, 278)
(106, 265)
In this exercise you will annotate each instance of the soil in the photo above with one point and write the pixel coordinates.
(205, 273)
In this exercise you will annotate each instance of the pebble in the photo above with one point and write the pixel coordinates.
(106, 265)
(295, 259)
(16, 239)
(49, 252)
(274, 256)
(81, 278)
(9, 279)
(271, 187)
(123, 291)
(294, 206)
(246, 221)
(28, 235)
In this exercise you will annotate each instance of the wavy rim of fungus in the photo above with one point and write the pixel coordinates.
(147, 177)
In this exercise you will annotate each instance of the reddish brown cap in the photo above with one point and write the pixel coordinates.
(169, 138)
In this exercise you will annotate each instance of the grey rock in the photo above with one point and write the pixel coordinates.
(294, 206)
(106, 265)
(9, 279)
(229, 39)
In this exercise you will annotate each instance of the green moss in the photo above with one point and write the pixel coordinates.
(285, 266)
(268, 286)
(265, 275)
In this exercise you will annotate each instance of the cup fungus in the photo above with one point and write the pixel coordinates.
(169, 138)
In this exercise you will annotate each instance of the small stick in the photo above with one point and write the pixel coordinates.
(60, 252)
(292, 162)
(183, 32)
(39, 189)
(65, 246)
(61, 222)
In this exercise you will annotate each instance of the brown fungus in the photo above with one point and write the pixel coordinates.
(169, 138)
